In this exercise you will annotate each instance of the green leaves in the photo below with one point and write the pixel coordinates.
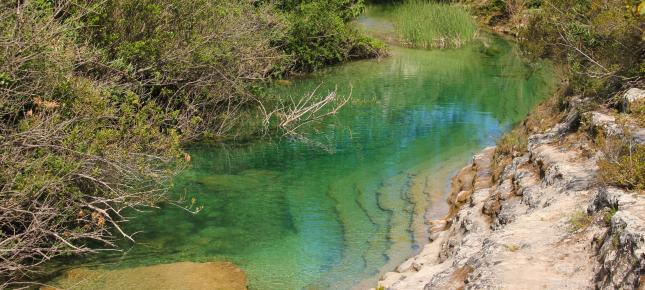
(320, 34)
(599, 40)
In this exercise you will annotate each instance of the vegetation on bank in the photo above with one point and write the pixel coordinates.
(97, 98)
(599, 48)
(424, 24)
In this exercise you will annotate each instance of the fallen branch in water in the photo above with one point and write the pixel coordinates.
(306, 110)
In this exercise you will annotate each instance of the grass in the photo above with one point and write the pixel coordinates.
(637, 112)
(579, 220)
(423, 24)
(512, 144)
(622, 163)
(608, 215)
(627, 170)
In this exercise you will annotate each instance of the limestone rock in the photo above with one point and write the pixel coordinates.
(621, 249)
(632, 95)
(516, 233)
(607, 123)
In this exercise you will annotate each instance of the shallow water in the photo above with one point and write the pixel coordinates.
(333, 211)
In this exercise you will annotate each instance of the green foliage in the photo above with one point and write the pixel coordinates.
(345, 9)
(430, 25)
(69, 142)
(601, 42)
(320, 34)
(196, 58)
(97, 97)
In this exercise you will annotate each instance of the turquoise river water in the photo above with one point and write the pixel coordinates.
(335, 210)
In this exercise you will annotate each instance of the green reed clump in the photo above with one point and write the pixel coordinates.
(425, 24)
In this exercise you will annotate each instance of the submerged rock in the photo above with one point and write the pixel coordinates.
(182, 275)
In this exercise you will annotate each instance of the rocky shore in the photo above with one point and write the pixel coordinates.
(546, 222)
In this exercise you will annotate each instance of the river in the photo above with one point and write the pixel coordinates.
(351, 200)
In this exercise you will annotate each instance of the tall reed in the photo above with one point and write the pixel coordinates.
(424, 24)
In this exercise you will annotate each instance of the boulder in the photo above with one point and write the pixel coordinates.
(631, 96)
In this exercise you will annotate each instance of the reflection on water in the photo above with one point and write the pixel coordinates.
(333, 211)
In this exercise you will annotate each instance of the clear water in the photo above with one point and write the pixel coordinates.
(333, 211)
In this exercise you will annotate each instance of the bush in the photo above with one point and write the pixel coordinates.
(195, 59)
(625, 169)
(74, 152)
(600, 41)
(320, 35)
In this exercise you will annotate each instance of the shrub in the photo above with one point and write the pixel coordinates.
(320, 35)
(626, 169)
(195, 59)
(600, 41)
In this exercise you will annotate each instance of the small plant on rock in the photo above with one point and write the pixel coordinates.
(579, 220)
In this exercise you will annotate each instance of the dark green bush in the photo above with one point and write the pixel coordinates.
(320, 34)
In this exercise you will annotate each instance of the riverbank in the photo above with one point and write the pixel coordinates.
(546, 222)
(558, 203)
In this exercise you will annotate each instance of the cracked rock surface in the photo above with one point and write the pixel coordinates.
(520, 231)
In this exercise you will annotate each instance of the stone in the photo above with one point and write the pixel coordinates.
(631, 96)
(517, 231)
(181, 275)
(606, 123)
